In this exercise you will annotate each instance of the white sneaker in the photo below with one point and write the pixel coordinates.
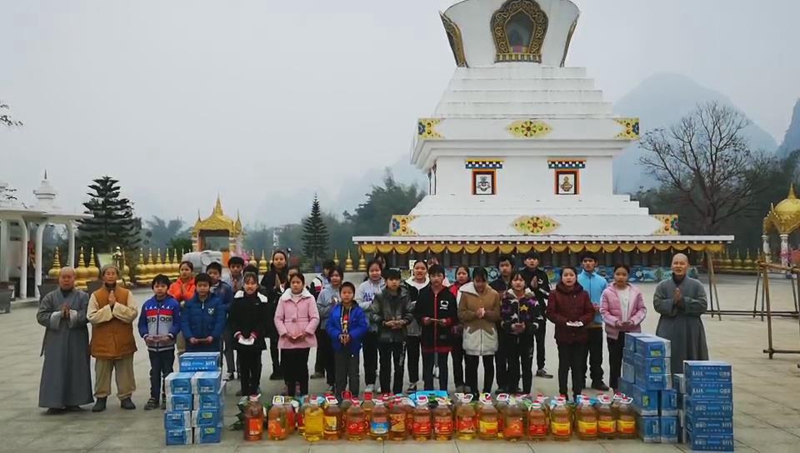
(370, 389)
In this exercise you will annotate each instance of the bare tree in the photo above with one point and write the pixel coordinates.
(6, 119)
(707, 163)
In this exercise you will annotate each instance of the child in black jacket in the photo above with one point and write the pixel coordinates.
(248, 320)
(437, 313)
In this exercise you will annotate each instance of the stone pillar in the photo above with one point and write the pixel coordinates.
(765, 248)
(39, 240)
(785, 250)
(4, 225)
(23, 270)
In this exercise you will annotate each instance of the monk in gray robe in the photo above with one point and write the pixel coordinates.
(681, 301)
(66, 380)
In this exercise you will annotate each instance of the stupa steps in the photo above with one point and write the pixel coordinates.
(520, 71)
(518, 109)
(523, 84)
(523, 96)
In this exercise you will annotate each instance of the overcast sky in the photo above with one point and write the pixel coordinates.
(182, 100)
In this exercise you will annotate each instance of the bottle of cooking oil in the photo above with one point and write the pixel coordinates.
(379, 422)
(300, 411)
(537, 423)
(422, 427)
(314, 418)
(347, 401)
(356, 422)
(277, 425)
(606, 421)
(332, 420)
(514, 422)
(466, 419)
(487, 421)
(397, 421)
(626, 420)
(586, 416)
(409, 406)
(443, 425)
(560, 423)
(254, 420)
(501, 405)
(291, 419)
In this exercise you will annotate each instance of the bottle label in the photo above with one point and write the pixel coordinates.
(443, 425)
(275, 428)
(589, 428)
(397, 422)
(355, 428)
(561, 429)
(514, 428)
(255, 426)
(626, 426)
(331, 424)
(422, 427)
(607, 426)
(489, 428)
(466, 425)
(379, 428)
(537, 429)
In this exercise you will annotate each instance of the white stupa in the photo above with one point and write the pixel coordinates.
(519, 150)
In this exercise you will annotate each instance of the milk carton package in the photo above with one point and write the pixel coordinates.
(669, 430)
(208, 434)
(199, 361)
(652, 365)
(653, 347)
(709, 408)
(209, 402)
(626, 387)
(179, 436)
(177, 420)
(650, 430)
(709, 442)
(630, 341)
(179, 403)
(668, 403)
(629, 372)
(645, 402)
(679, 383)
(707, 370)
(206, 382)
(709, 426)
(654, 381)
(722, 391)
(206, 418)
(178, 384)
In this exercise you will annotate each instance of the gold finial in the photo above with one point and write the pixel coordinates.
(737, 261)
(126, 270)
(56, 269)
(252, 261)
(748, 264)
(348, 262)
(218, 206)
(139, 270)
(362, 263)
(94, 272)
(792, 195)
(262, 264)
(81, 272)
(336, 257)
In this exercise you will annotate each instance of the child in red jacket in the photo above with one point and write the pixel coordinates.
(571, 310)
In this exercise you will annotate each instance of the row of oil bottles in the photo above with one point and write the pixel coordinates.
(397, 418)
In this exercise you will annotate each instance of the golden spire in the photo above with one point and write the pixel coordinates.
(336, 257)
(262, 264)
(348, 263)
(737, 261)
(139, 272)
(56, 269)
(362, 263)
(218, 206)
(81, 273)
(94, 272)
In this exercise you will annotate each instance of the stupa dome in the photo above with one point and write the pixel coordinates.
(789, 206)
(488, 32)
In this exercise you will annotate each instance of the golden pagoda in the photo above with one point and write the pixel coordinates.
(81, 272)
(262, 264)
(56, 269)
(140, 270)
(253, 261)
(336, 257)
(362, 263)
(784, 219)
(737, 261)
(218, 225)
(126, 270)
(748, 263)
(348, 263)
(94, 271)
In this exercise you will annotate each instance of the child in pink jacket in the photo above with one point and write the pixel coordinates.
(622, 308)
(296, 320)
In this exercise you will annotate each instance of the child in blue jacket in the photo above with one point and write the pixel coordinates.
(347, 326)
(203, 318)
(159, 325)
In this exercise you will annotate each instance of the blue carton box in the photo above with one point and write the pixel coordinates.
(209, 402)
(669, 427)
(711, 408)
(653, 347)
(710, 390)
(709, 442)
(679, 383)
(199, 361)
(179, 403)
(208, 434)
(710, 426)
(650, 429)
(707, 370)
(628, 372)
(625, 387)
(654, 381)
(629, 357)
(178, 384)
(653, 365)
(177, 420)
(206, 418)
(668, 403)
(179, 436)
(645, 402)
(207, 382)
(630, 341)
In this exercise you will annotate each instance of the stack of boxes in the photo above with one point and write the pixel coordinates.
(195, 401)
(706, 391)
(646, 378)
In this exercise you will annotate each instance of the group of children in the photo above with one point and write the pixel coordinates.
(390, 321)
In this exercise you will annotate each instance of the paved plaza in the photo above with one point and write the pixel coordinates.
(766, 394)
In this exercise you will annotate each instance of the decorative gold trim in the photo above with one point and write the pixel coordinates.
(524, 247)
(529, 129)
(484, 164)
(499, 21)
(569, 39)
(218, 221)
(532, 225)
(426, 128)
(400, 225)
(631, 131)
(669, 225)
(457, 43)
(785, 217)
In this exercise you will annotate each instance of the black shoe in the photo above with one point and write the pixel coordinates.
(99, 405)
(55, 411)
(600, 386)
(152, 403)
(239, 393)
(231, 377)
(74, 409)
(276, 377)
(317, 375)
(163, 404)
(127, 404)
(542, 373)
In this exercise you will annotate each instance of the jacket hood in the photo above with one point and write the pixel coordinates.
(240, 295)
(287, 295)
(560, 287)
(528, 293)
(469, 288)
(402, 292)
(634, 290)
(413, 282)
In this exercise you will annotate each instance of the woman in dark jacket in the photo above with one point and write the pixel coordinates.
(248, 323)
(521, 317)
(571, 310)
(274, 283)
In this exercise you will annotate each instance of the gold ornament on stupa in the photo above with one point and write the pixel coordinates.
(56, 269)
(336, 257)
(748, 263)
(362, 263)
(727, 262)
(253, 261)
(215, 224)
(140, 270)
(737, 261)
(348, 263)
(150, 268)
(94, 271)
(785, 216)
(81, 273)
(262, 264)
(126, 270)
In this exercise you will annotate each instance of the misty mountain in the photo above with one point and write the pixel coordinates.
(791, 140)
(659, 102)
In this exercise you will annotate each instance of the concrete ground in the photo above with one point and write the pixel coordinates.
(767, 400)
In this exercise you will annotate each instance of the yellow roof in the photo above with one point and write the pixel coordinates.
(789, 206)
(218, 221)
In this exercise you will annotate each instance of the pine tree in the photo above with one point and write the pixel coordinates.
(113, 224)
(315, 234)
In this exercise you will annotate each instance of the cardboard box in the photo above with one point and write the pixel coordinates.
(207, 382)
(710, 390)
(668, 403)
(199, 361)
(203, 419)
(698, 407)
(208, 434)
(176, 420)
(652, 365)
(650, 429)
(712, 442)
(710, 426)
(209, 402)
(625, 387)
(669, 427)
(179, 436)
(628, 372)
(179, 403)
(630, 341)
(654, 381)
(645, 402)
(707, 370)
(653, 347)
(178, 384)
(679, 383)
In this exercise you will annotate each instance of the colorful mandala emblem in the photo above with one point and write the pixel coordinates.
(631, 131)
(669, 225)
(530, 225)
(529, 129)
(400, 225)
(426, 128)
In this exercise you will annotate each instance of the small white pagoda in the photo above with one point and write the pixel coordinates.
(519, 152)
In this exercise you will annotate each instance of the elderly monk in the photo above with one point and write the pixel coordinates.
(112, 312)
(681, 301)
(66, 380)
